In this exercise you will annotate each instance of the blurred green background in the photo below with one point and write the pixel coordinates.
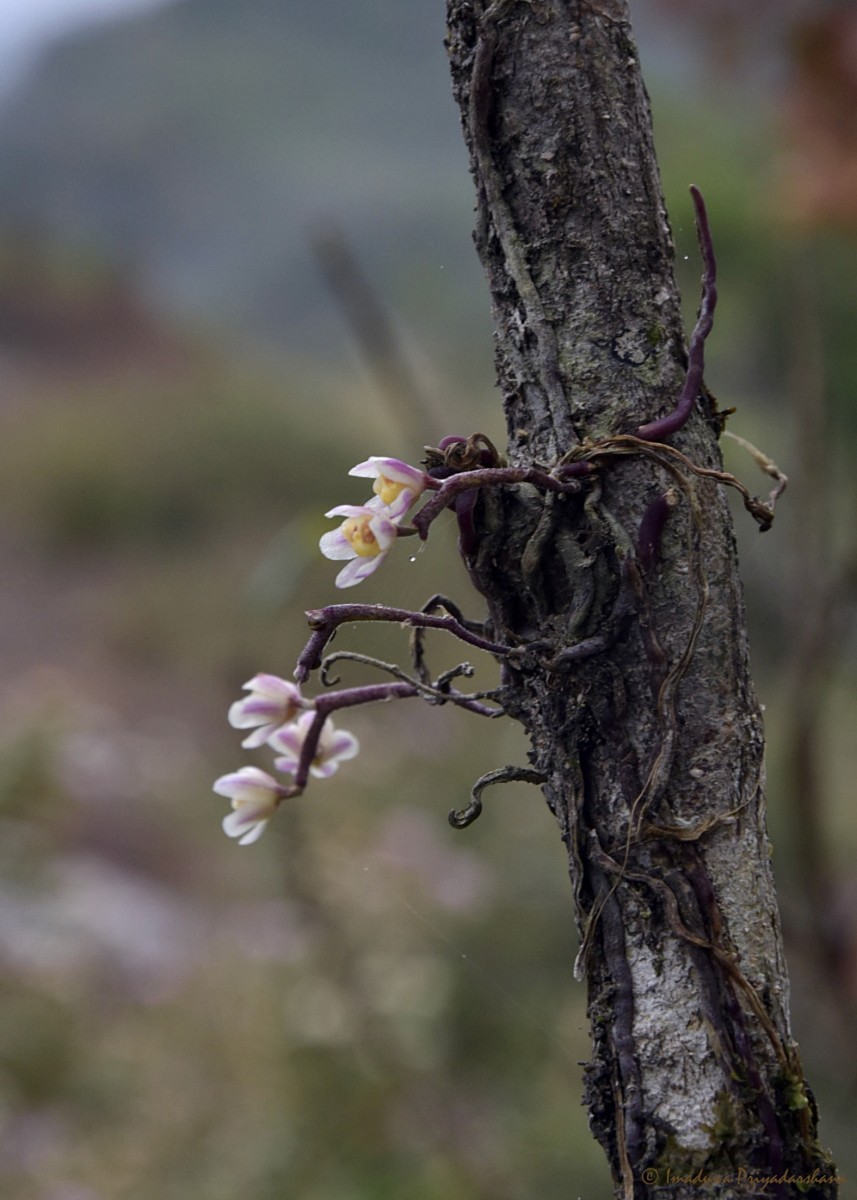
(197, 207)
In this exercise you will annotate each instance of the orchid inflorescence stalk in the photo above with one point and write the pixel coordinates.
(307, 743)
(299, 730)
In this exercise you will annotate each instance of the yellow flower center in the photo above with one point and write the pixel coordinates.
(363, 541)
(388, 489)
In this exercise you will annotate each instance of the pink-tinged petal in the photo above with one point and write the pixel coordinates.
(226, 785)
(255, 796)
(335, 545)
(395, 511)
(401, 504)
(253, 710)
(347, 510)
(392, 468)
(367, 533)
(276, 688)
(287, 765)
(393, 478)
(365, 470)
(244, 782)
(258, 706)
(258, 737)
(270, 685)
(272, 690)
(334, 746)
(340, 745)
(253, 834)
(249, 814)
(324, 770)
(236, 826)
(358, 570)
(383, 528)
(289, 739)
(272, 702)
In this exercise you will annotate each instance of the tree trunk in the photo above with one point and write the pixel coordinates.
(632, 676)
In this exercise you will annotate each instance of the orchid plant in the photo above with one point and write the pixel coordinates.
(300, 731)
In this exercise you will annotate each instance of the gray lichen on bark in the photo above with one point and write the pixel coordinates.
(632, 681)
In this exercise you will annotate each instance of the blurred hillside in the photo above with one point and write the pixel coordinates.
(201, 146)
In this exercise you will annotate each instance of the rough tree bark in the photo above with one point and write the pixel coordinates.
(633, 678)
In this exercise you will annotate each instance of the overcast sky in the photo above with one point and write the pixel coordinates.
(25, 25)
